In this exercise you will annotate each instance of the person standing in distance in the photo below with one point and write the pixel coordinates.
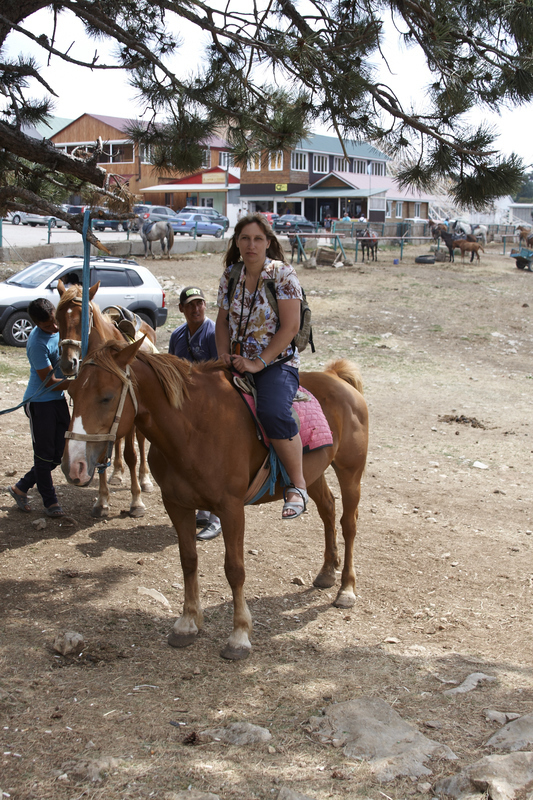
(46, 408)
(195, 341)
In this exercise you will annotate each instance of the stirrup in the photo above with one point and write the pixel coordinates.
(298, 508)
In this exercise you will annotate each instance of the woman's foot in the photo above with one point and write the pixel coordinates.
(20, 499)
(295, 502)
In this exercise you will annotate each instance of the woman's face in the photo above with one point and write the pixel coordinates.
(252, 243)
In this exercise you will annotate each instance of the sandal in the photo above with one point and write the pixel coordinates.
(20, 499)
(296, 506)
(54, 511)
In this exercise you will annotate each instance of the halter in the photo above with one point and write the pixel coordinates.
(76, 342)
(110, 437)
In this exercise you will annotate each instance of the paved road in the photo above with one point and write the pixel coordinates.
(25, 236)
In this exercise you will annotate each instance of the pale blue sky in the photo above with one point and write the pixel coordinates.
(100, 92)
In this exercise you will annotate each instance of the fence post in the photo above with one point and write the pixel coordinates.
(49, 230)
(1, 233)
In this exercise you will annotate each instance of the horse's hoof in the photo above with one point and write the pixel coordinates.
(138, 511)
(115, 480)
(147, 486)
(181, 639)
(344, 599)
(235, 653)
(98, 512)
(324, 580)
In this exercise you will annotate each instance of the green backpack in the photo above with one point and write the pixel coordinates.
(305, 333)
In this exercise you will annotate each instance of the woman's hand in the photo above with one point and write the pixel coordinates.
(242, 364)
(226, 358)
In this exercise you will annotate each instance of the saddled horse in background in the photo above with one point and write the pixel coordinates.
(156, 231)
(522, 231)
(369, 241)
(68, 316)
(205, 454)
(436, 228)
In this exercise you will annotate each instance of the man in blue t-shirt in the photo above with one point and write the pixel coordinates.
(46, 407)
(195, 341)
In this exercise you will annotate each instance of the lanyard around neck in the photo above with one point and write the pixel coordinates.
(241, 338)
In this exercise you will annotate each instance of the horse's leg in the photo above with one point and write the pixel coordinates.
(322, 495)
(101, 504)
(118, 465)
(144, 472)
(350, 486)
(186, 627)
(137, 507)
(238, 645)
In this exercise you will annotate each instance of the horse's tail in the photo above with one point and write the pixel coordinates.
(347, 371)
(170, 236)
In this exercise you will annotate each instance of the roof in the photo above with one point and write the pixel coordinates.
(52, 126)
(350, 184)
(331, 144)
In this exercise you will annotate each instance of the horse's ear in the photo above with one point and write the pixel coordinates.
(93, 290)
(61, 287)
(126, 356)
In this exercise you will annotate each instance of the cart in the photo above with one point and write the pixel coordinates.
(524, 258)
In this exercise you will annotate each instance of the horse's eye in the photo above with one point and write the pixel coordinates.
(106, 398)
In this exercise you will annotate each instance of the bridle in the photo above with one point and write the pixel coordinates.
(76, 342)
(110, 437)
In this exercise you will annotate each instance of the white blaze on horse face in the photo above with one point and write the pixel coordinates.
(77, 449)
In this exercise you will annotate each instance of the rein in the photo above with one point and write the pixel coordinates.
(110, 437)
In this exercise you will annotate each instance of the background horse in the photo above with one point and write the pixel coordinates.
(522, 231)
(294, 246)
(205, 454)
(451, 242)
(469, 247)
(436, 228)
(369, 241)
(161, 231)
(68, 316)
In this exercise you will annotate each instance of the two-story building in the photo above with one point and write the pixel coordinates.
(131, 164)
(318, 179)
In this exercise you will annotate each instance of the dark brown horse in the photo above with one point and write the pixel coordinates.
(369, 242)
(204, 454)
(68, 316)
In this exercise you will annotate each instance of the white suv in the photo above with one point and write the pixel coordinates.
(122, 283)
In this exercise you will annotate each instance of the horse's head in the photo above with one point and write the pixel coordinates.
(68, 317)
(100, 413)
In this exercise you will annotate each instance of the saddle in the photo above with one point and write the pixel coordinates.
(128, 323)
(312, 424)
(147, 227)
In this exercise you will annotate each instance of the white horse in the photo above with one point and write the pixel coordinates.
(152, 232)
(480, 232)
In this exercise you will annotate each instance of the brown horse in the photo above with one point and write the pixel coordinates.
(369, 241)
(204, 454)
(469, 247)
(68, 316)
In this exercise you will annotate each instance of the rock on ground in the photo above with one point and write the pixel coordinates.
(516, 735)
(368, 728)
(238, 733)
(495, 777)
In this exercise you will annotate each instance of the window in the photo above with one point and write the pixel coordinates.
(417, 209)
(399, 208)
(378, 168)
(275, 161)
(341, 164)
(116, 153)
(388, 213)
(206, 159)
(146, 153)
(299, 161)
(254, 163)
(225, 159)
(134, 277)
(110, 277)
(320, 164)
(360, 167)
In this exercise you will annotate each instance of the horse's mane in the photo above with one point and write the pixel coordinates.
(347, 371)
(70, 294)
(174, 374)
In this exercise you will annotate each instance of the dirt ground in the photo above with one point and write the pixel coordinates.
(443, 558)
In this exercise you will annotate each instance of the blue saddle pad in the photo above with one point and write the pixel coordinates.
(147, 227)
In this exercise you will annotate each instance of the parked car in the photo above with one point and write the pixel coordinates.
(157, 214)
(219, 218)
(188, 223)
(123, 282)
(26, 218)
(113, 224)
(291, 223)
(270, 215)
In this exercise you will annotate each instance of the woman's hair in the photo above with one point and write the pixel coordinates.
(274, 249)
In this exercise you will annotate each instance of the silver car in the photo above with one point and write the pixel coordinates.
(123, 282)
(25, 218)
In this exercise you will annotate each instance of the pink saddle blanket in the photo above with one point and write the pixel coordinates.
(314, 428)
